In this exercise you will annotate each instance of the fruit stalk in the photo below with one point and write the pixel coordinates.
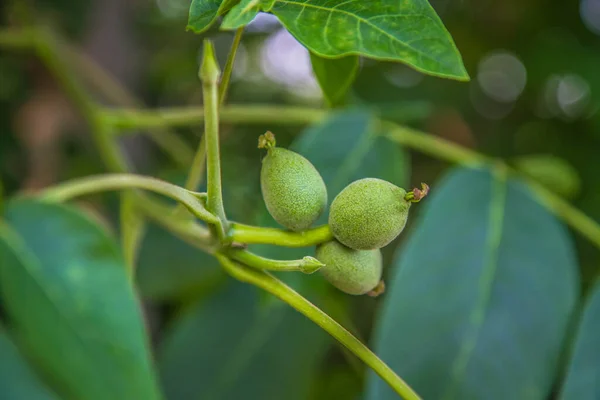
(288, 295)
(307, 265)
(209, 74)
(261, 235)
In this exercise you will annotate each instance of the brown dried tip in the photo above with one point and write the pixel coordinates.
(266, 141)
(417, 195)
(377, 290)
(238, 245)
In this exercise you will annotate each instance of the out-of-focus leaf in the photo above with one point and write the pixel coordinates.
(171, 268)
(335, 76)
(481, 297)
(583, 375)
(203, 13)
(232, 347)
(554, 173)
(17, 379)
(405, 31)
(64, 284)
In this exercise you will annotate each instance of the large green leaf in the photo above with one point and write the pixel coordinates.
(583, 375)
(406, 31)
(64, 284)
(481, 297)
(235, 347)
(17, 379)
(335, 76)
(203, 13)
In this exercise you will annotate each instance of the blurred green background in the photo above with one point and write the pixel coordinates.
(534, 95)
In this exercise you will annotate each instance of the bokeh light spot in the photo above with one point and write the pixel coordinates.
(590, 14)
(502, 76)
(287, 62)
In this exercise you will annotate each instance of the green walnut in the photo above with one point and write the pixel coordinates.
(370, 213)
(292, 188)
(352, 271)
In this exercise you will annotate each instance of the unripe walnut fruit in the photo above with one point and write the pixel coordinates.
(292, 188)
(369, 213)
(352, 271)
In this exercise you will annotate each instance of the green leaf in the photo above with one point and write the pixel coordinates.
(17, 379)
(203, 13)
(405, 31)
(583, 374)
(170, 268)
(64, 284)
(335, 76)
(481, 296)
(232, 347)
(243, 13)
(553, 172)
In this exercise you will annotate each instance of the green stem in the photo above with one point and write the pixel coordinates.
(133, 227)
(248, 234)
(50, 52)
(17, 38)
(224, 86)
(233, 114)
(108, 87)
(185, 228)
(308, 265)
(580, 222)
(433, 145)
(420, 141)
(209, 74)
(196, 170)
(108, 182)
(280, 290)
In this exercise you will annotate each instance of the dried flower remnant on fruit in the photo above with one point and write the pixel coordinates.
(266, 141)
(417, 195)
(377, 290)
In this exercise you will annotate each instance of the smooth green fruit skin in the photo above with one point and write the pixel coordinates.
(368, 214)
(352, 271)
(292, 188)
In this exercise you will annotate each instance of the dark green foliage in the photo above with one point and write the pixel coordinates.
(17, 380)
(481, 295)
(583, 373)
(63, 283)
(235, 346)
